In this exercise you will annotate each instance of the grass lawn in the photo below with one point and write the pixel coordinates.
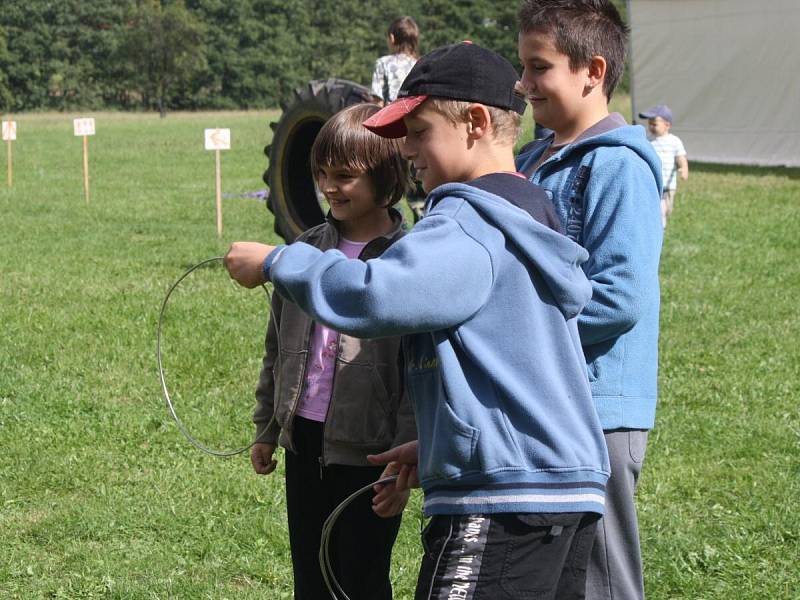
(100, 495)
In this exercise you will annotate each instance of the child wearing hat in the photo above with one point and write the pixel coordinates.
(485, 288)
(670, 150)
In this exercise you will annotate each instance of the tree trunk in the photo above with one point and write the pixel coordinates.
(162, 106)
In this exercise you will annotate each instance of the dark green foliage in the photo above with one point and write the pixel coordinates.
(63, 55)
(5, 65)
(254, 49)
(163, 46)
(146, 54)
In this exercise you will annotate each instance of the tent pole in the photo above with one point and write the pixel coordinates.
(630, 60)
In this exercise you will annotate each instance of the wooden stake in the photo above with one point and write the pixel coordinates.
(10, 170)
(86, 167)
(219, 196)
(10, 161)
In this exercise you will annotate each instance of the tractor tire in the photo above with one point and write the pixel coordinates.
(293, 197)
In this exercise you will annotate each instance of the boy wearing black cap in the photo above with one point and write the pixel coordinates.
(510, 453)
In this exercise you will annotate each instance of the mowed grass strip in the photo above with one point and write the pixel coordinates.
(100, 495)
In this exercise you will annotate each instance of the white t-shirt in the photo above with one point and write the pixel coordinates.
(668, 147)
(394, 68)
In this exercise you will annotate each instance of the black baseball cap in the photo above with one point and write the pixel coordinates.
(463, 71)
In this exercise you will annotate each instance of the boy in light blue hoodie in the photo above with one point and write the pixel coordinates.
(510, 452)
(604, 180)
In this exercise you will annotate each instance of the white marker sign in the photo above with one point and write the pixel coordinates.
(218, 139)
(9, 131)
(83, 127)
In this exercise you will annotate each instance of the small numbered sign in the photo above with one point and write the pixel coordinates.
(83, 127)
(9, 131)
(218, 139)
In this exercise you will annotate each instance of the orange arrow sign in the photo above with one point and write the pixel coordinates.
(218, 139)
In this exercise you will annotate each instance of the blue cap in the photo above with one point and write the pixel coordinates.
(659, 110)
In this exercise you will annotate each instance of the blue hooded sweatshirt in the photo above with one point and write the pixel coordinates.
(487, 297)
(606, 189)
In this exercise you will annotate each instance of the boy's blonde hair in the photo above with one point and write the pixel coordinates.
(343, 142)
(505, 123)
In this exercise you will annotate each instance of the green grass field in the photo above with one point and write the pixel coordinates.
(100, 495)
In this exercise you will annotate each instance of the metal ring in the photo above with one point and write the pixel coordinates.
(324, 555)
(195, 442)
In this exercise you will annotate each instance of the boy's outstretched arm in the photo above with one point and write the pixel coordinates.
(435, 277)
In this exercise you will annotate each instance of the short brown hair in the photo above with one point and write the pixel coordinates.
(406, 35)
(343, 142)
(505, 123)
(581, 29)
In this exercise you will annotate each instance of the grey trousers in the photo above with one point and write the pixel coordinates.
(615, 566)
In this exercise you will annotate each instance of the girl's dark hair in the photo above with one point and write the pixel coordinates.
(343, 142)
(581, 29)
(406, 35)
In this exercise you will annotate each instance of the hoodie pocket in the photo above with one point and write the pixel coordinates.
(604, 364)
(592, 370)
(446, 443)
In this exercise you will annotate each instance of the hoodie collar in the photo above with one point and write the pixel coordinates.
(604, 125)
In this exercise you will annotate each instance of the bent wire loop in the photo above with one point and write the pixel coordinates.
(165, 390)
(337, 593)
(335, 589)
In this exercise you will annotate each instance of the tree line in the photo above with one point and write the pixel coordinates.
(213, 54)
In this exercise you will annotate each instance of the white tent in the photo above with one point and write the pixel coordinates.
(728, 69)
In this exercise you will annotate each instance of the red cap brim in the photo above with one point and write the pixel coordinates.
(388, 121)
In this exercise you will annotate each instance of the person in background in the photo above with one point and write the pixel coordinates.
(389, 73)
(670, 150)
(391, 69)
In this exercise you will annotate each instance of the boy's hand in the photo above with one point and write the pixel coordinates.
(261, 457)
(390, 498)
(404, 454)
(245, 262)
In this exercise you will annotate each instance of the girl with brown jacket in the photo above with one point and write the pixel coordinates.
(330, 399)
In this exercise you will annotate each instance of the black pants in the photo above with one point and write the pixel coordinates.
(361, 542)
(506, 556)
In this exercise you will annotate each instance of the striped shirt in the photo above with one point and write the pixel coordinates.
(668, 147)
